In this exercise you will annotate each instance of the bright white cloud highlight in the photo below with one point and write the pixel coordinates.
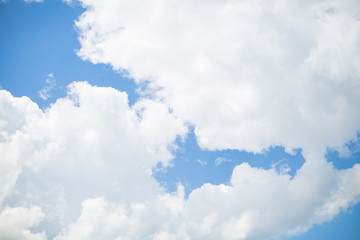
(248, 74)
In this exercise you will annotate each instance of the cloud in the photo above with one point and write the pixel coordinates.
(69, 2)
(258, 204)
(14, 223)
(30, 1)
(14, 114)
(281, 166)
(87, 160)
(91, 143)
(247, 74)
(221, 160)
(202, 162)
(102, 220)
(51, 83)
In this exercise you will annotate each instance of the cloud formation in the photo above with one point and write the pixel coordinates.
(258, 204)
(14, 223)
(221, 160)
(90, 143)
(50, 84)
(247, 75)
(30, 1)
(92, 148)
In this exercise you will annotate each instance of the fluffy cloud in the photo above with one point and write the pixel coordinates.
(247, 74)
(258, 204)
(91, 143)
(15, 221)
(93, 148)
(14, 114)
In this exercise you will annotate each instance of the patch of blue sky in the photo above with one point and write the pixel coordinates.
(345, 226)
(38, 39)
(194, 166)
(216, 166)
(341, 161)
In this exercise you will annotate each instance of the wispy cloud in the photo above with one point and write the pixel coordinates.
(202, 162)
(50, 84)
(30, 1)
(281, 167)
(221, 160)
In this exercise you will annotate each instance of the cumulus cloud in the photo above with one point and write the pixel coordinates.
(87, 162)
(14, 114)
(91, 143)
(14, 223)
(258, 204)
(247, 74)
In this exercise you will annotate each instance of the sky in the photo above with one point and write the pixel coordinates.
(179, 119)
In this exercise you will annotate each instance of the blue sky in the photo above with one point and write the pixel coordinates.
(49, 29)
(38, 39)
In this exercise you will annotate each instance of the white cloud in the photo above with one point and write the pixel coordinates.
(50, 84)
(221, 160)
(14, 114)
(258, 204)
(88, 144)
(248, 74)
(14, 223)
(103, 220)
(29, 1)
(92, 147)
(282, 167)
(69, 2)
(202, 162)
